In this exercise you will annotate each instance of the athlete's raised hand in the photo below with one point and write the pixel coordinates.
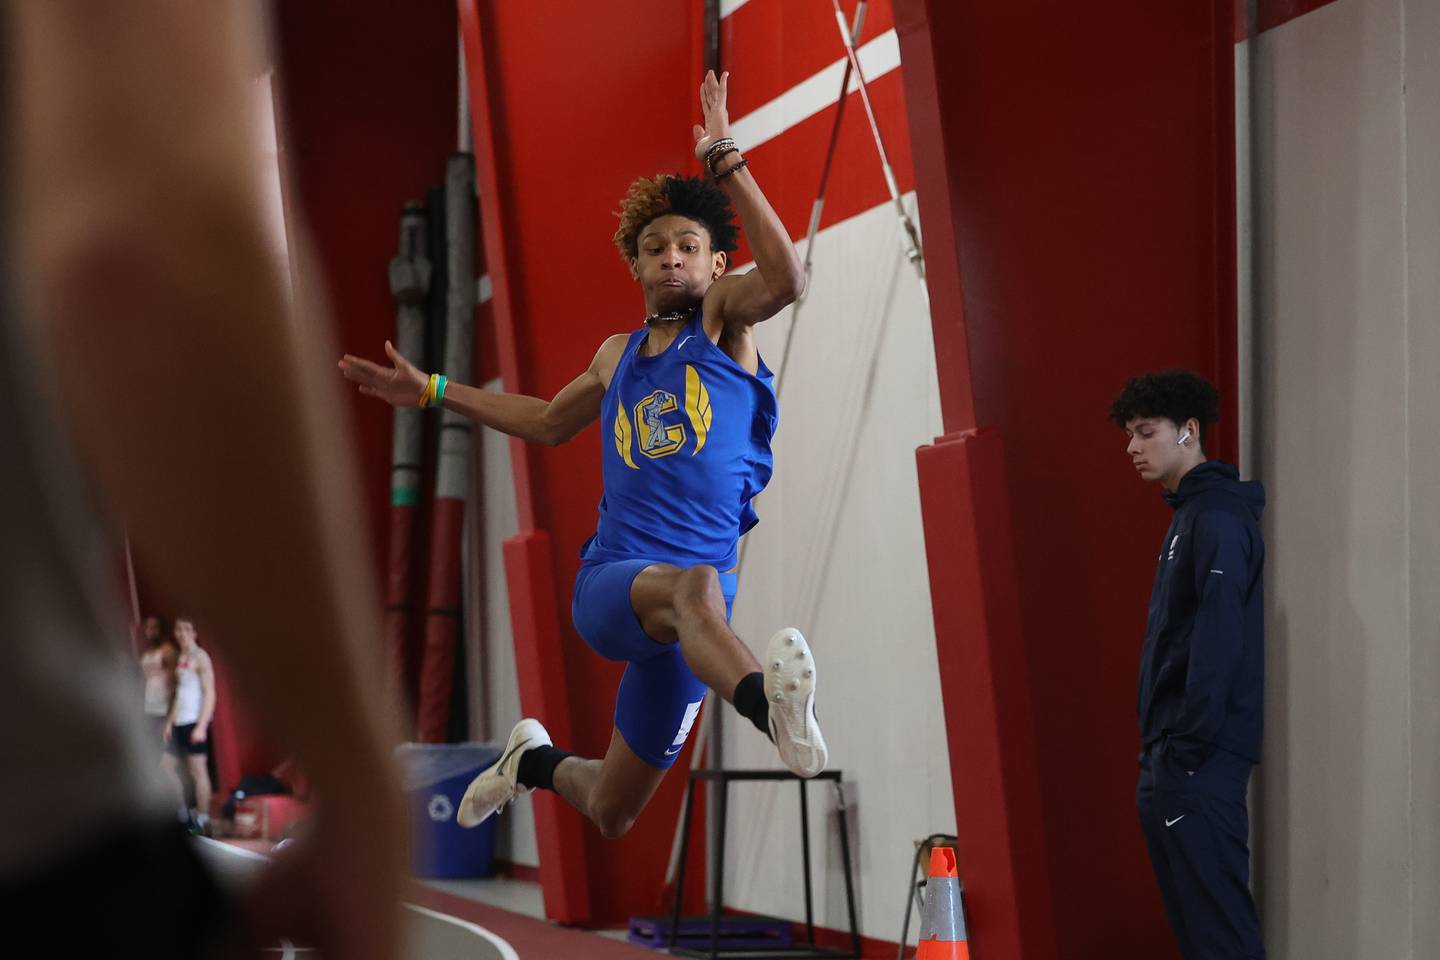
(717, 117)
(399, 386)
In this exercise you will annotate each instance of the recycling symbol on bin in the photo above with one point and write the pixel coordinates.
(440, 807)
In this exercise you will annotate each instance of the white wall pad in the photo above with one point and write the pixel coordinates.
(861, 395)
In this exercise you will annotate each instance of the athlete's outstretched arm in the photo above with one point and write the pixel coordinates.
(779, 275)
(550, 422)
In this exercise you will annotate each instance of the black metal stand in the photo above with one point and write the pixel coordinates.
(723, 779)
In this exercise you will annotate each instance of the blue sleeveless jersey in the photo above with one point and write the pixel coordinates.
(685, 446)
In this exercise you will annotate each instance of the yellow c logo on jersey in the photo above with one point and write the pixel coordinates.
(622, 437)
(656, 438)
(697, 407)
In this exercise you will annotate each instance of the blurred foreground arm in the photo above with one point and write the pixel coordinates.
(147, 276)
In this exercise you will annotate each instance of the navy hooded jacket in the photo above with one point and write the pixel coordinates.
(1202, 672)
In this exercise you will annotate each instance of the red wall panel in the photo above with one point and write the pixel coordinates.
(770, 46)
(369, 101)
(1077, 160)
(989, 712)
(368, 110)
(788, 166)
(1270, 14)
(775, 44)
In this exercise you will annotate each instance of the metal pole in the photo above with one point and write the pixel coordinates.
(911, 237)
(845, 864)
(723, 786)
(805, 857)
(464, 133)
(409, 275)
(453, 460)
(818, 207)
(676, 915)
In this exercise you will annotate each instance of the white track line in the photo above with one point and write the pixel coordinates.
(507, 952)
(289, 951)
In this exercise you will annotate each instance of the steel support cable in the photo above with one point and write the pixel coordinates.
(911, 238)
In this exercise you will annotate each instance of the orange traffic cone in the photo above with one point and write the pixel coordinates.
(942, 920)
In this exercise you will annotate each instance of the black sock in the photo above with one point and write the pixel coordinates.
(750, 701)
(537, 767)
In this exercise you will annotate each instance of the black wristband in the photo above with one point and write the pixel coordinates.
(710, 160)
(743, 163)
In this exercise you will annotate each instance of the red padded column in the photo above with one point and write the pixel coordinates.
(989, 716)
(558, 827)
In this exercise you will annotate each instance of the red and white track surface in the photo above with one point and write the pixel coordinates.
(430, 934)
(443, 926)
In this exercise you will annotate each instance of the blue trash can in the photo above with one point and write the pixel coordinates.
(436, 775)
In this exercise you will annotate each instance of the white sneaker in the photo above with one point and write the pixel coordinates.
(490, 792)
(790, 691)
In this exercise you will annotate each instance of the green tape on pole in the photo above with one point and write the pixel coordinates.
(404, 496)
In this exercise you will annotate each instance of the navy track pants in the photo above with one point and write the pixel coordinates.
(1197, 828)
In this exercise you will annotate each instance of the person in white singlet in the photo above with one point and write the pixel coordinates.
(187, 727)
(157, 666)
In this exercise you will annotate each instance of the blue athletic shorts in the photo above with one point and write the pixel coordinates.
(659, 697)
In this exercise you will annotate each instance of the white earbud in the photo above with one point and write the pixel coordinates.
(1184, 438)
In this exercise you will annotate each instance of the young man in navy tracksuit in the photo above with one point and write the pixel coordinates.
(1201, 686)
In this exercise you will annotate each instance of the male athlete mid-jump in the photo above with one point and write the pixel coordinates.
(687, 410)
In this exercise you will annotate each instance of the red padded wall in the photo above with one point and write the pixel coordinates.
(770, 47)
(1076, 182)
(369, 101)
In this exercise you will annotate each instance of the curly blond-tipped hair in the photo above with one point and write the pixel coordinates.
(665, 193)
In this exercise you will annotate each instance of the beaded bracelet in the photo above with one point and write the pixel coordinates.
(718, 149)
(743, 163)
(711, 161)
(718, 144)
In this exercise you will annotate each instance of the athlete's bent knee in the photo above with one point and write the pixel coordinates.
(614, 820)
(699, 587)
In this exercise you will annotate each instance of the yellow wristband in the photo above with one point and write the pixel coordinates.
(427, 396)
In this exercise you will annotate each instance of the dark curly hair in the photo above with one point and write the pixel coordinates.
(1176, 395)
(652, 197)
